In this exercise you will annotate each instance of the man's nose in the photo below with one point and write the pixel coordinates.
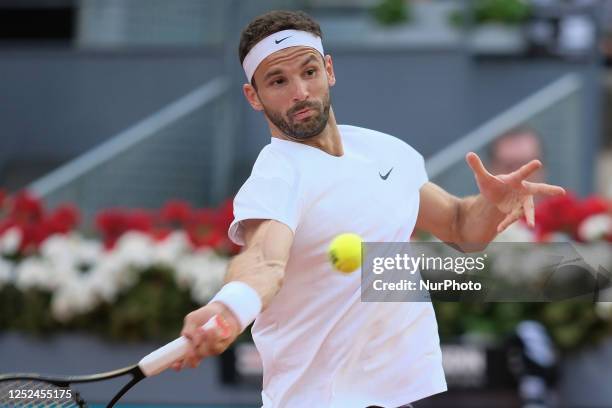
(300, 92)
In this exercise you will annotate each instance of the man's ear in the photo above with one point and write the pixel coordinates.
(251, 96)
(329, 70)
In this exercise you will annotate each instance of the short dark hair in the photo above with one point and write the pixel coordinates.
(272, 22)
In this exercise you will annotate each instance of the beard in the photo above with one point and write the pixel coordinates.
(307, 128)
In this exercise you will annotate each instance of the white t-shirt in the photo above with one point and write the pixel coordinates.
(320, 345)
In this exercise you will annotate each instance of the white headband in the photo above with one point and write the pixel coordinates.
(276, 42)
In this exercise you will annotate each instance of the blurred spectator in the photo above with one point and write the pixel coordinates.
(507, 153)
(519, 146)
(514, 149)
(564, 27)
(531, 355)
(532, 359)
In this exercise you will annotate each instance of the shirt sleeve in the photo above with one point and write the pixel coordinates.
(271, 192)
(421, 172)
(418, 174)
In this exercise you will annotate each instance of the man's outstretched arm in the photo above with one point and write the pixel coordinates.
(459, 221)
(260, 266)
(472, 222)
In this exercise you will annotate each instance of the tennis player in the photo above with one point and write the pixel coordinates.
(321, 346)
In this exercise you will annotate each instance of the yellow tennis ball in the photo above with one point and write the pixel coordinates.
(345, 252)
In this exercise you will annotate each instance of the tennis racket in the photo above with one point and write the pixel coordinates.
(35, 390)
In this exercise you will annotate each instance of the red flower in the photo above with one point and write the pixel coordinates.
(32, 236)
(176, 212)
(557, 214)
(208, 228)
(205, 227)
(6, 224)
(159, 234)
(225, 214)
(63, 220)
(198, 234)
(205, 238)
(565, 213)
(592, 206)
(3, 197)
(26, 212)
(202, 217)
(112, 223)
(25, 208)
(139, 220)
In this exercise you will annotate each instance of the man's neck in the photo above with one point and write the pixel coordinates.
(328, 140)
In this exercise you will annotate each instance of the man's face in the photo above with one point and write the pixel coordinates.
(514, 151)
(293, 91)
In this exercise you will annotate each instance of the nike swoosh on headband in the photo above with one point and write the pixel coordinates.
(281, 40)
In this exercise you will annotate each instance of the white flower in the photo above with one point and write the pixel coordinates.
(74, 298)
(59, 249)
(168, 251)
(105, 286)
(35, 272)
(517, 232)
(604, 310)
(203, 272)
(135, 249)
(10, 241)
(595, 227)
(63, 275)
(112, 275)
(6, 272)
(71, 251)
(89, 251)
(75, 292)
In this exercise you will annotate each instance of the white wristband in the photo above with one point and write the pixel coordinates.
(241, 299)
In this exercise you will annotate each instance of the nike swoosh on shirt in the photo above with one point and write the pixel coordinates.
(386, 175)
(281, 40)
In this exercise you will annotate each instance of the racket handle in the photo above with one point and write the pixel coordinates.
(162, 358)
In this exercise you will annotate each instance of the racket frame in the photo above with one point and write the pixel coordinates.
(65, 382)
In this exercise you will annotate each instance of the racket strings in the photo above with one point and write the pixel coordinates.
(37, 394)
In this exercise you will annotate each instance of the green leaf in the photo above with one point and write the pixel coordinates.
(391, 12)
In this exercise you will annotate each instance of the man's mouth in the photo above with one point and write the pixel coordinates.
(303, 113)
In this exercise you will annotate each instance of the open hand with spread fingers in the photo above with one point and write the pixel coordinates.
(511, 193)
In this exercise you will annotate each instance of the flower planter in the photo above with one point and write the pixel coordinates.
(497, 39)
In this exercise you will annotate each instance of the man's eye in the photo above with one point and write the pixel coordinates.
(278, 81)
(310, 72)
